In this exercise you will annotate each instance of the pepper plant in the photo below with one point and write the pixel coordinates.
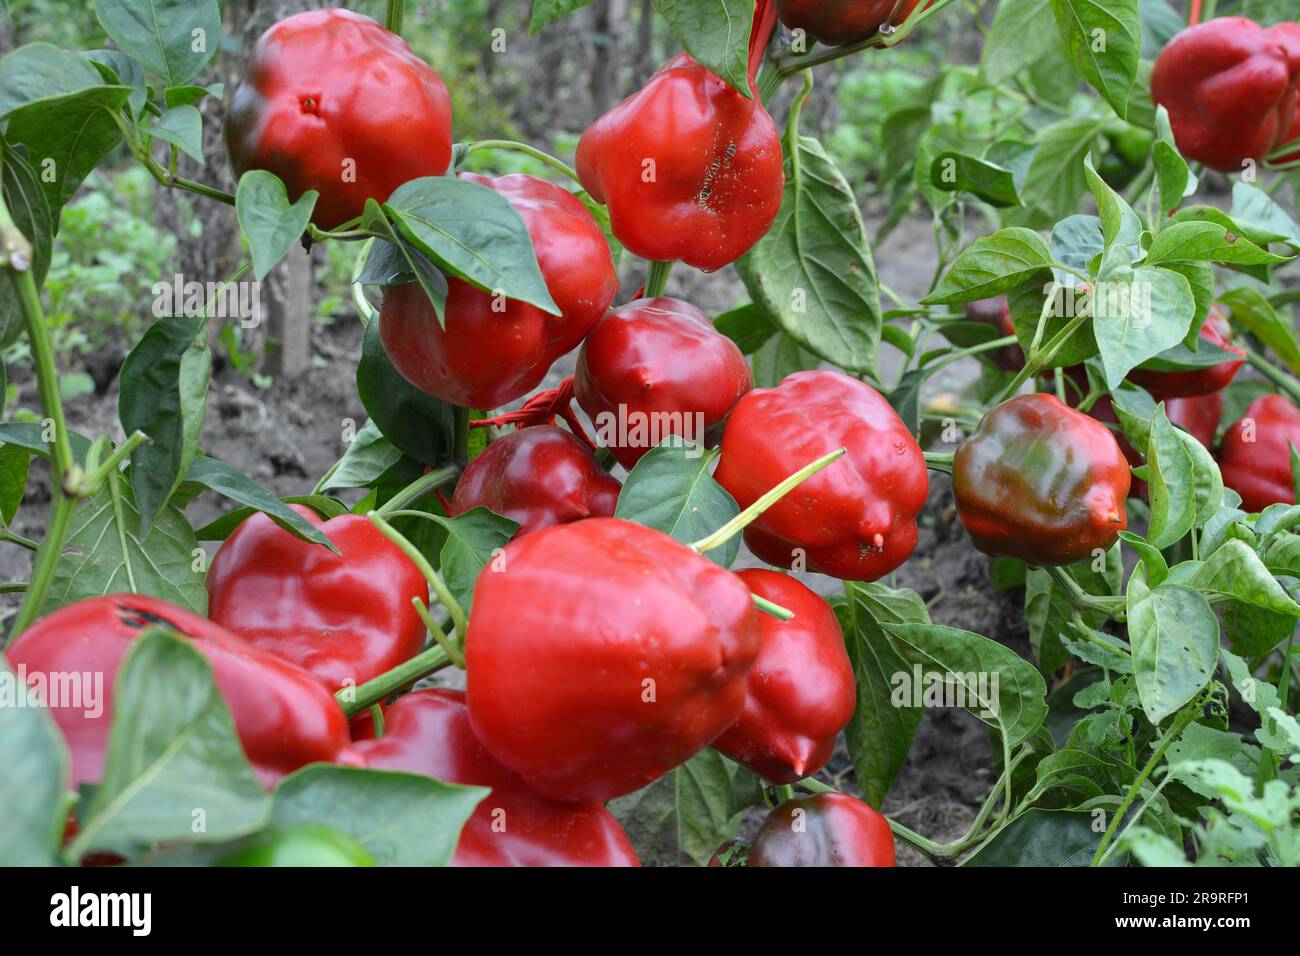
(1123, 450)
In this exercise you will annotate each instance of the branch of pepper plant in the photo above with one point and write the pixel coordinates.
(1274, 374)
(436, 584)
(419, 488)
(394, 15)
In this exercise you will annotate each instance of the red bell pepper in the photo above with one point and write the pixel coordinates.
(428, 732)
(284, 717)
(1255, 457)
(344, 617)
(854, 519)
(656, 367)
(538, 476)
(835, 22)
(493, 350)
(826, 829)
(801, 690)
(602, 654)
(334, 102)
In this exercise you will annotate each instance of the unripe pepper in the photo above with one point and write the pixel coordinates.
(1255, 457)
(538, 476)
(656, 367)
(835, 22)
(428, 732)
(1230, 88)
(344, 617)
(689, 168)
(1201, 381)
(1041, 482)
(826, 829)
(997, 313)
(854, 519)
(801, 690)
(493, 350)
(603, 654)
(334, 102)
(305, 845)
(284, 717)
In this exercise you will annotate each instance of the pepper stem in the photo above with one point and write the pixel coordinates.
(354, 700)
(765, 501)
(939, 461)
(772, 608)
(656, 279)
(439, 635)
(436, 584)
(418, 488)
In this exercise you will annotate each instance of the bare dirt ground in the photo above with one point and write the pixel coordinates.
(288, 435)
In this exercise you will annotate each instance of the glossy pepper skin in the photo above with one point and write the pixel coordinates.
(428, 732)
(657, 367)
(1230, 87)
(538, 476)
(284, 717)
(334, 102)
(305, 845)
(494, 350)
(1041, 482)
(826, 829)
(854, 519)
(688, 167)
(835, 22)
(1202, 381)
(997, 313)
(343, 617)
(1255, 457)
(800, 692)
(604, 654)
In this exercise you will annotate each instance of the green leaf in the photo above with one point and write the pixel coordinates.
(1171, 479)
(1237, 570)
(106, 553)
(1119, 223)
(1137, 314)
(880, 733)
(1104, 38)
(778, 357)
(14, 464)
(991, 681)
(182, 126)
(163, 393)
(1045, 838)
(1172, 175)
(956, 172)
(172, 748)
(230, 482)
(398, 261)
(30, 210)
(268, 221)
(671, 490)
(222, 528)
(402, 819)
(1157, 568)
(31, 436)
(1252, 310)
(548, 11)
(118, 69)
(1022, 33)
(991, 266)
(1255, 209)
(716, 35)
(1055, 181)
(1206, 242)
(1175, 639)
(418, 424)
(746, 325)
(188, 94)
(472, 232)
(34, 786)
(473, 538)
(172, 38)
(369, 455)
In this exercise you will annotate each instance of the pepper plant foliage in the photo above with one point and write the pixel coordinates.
(1152, 722)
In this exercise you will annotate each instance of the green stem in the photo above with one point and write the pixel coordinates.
(765, 501)
(772, 608)
(768, 82)
(47, 558)
(439, 634)
(93, 481)
(460, 449)
(1179, 725)
(419, 488)
(656, 279)
(180, 182)
(1036, 363)
(436, 584)
(1078, 595)
(13, 537)
(354, 700)
(557, 164)
(394, 15)
(1274, 374)
(939, 461)
(13, 587)
(365, 311)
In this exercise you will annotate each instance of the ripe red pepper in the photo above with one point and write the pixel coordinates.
(603, 654)
(284, 717)
(344, 617)
(826, 829)
(801, 690)
(537, 476)
(689, 168)
(1041, 482)
(1255, 457)
(335, 103)
(835, 22)
(428, 731)
(494, 350)
(1230, 88)
(997, 313)
(1201, 381)
(656, 367)
(854, 519)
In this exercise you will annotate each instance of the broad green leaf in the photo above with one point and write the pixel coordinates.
(1043, 838)
(1120, 225)
(716, 35)
(1137, 314)
(746, 325)
(957, 172)
(778, 357)
(222, 528)
(34, 786)
(118, 69)
(174, 39)
(548, 11)
(397, 261)
(1175, 638)
(991, 266)
(417, 423)
(230, 482)
(1252, 310)
(1237, 570)
(671, 490)
(1104, 38)
(1023, 32)
(1171, 481)
(182, 126)
(1206, 242)
(1253, 207)
(1055, 182)
(402, 819)
(268, 221)
(369, 455)
(30, 210)
(472, 540)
